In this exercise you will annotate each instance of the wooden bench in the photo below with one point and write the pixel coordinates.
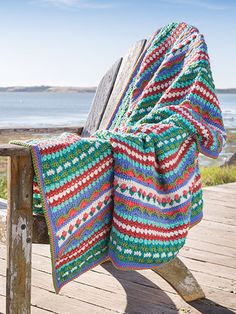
(24, 228)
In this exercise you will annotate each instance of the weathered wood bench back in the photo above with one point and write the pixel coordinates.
(22, 230)
(110, 90)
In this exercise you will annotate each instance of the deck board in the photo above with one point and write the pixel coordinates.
(210, 253)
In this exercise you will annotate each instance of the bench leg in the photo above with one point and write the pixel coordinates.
(19, 235)
(181, 279)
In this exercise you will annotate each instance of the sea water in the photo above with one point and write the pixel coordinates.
(45, 109)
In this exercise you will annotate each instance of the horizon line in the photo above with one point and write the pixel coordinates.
(72, 86)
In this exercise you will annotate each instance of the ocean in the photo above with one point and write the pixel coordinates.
(45, 109)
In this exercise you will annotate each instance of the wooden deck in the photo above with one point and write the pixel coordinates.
(210, 252)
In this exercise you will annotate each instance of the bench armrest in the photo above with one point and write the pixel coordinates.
(13, 150)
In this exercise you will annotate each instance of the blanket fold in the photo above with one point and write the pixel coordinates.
(131, 192)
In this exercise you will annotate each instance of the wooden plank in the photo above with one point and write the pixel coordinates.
(227, 228)
(124, 294)
(122, 79)
(217, 195)
(222, 220)
(212, 235)
(110, 293)
(210, 247)
(50, 302)
(34, 310)
(196, 292)
(118, 279)
(208, 280)
(217, 297)
(209, 268)
(37, 310)
(226, 300)
(216, 302)
(100, 100)
(219, 212)
(228, 187)
(231, 191)
(230, 206)
(19, 235)
(59, 303)
(216, 282)
(213, 258)
(220, 200)
(2, 304)
(13, 150)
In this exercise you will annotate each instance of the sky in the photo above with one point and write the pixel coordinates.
(74, 42)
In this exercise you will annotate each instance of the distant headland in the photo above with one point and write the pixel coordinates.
(226, 90)
(52, 89)
(69, 89)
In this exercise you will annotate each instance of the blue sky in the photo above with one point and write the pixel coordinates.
(73, 42)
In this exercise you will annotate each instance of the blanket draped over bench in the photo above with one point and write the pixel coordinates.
(130, 193)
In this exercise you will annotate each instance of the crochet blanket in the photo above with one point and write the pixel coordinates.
(130, 193)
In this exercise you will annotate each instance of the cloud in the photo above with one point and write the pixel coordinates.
(206, 4)
(85, 4)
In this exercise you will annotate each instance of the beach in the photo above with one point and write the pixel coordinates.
(7, 135)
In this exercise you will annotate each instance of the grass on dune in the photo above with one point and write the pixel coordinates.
(218, 175)
(231, 136)
(3, 187)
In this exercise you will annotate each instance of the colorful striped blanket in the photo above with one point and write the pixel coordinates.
(130, 193)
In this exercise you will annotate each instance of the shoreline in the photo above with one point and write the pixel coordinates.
(44, 130)
(48, 88)
(76, 89)
(49, 129)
